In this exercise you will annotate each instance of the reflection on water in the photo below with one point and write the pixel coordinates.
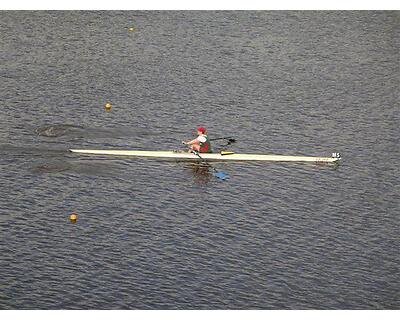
(201, 172)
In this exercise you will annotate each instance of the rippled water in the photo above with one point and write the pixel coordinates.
(169, 235)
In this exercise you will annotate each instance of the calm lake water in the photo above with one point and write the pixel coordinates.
(168, 235)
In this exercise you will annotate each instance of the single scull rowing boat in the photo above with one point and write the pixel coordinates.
(222, 156)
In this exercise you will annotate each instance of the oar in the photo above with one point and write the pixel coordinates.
(219, 174)
(230, 140)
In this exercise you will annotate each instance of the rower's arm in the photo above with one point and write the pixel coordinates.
(191, 142)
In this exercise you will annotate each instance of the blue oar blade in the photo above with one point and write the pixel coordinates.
(221, 175)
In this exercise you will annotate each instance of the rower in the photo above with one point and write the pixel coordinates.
(201, 143)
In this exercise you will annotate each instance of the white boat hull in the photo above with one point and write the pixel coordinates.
(207, 156)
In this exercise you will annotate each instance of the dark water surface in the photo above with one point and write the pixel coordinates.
(166, 235)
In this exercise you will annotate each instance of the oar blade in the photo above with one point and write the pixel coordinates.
(221, 175)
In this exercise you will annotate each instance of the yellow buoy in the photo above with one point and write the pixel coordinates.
(107, 106)
(131, 29)
(73, 217)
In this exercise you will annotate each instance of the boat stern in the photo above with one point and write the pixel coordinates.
(337, 156)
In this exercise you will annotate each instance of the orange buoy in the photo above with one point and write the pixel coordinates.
(73, 218)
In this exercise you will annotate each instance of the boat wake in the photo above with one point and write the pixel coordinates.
(59, 130)
(15, 151)
(51, 167)
(76, 131)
